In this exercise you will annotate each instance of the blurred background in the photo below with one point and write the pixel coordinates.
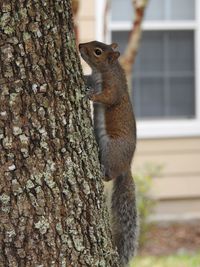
(165, 91)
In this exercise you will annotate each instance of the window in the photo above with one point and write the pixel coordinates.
(157, 10)
(163, 78)
(166, 82)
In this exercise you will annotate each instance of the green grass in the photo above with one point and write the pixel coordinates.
(170, 261)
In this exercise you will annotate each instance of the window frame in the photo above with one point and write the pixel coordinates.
(171, 127)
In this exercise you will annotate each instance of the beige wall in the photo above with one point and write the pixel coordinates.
(86, 24)
(179, 158)
(87, 20)
(178, 187)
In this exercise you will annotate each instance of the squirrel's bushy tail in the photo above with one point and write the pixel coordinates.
(124, 217)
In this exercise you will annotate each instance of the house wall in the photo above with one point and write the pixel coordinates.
(178, 186)
(86, 25)
(87, 20)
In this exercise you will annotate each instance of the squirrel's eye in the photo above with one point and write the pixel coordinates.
(98, 51)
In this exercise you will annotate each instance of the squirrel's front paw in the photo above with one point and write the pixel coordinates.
(106, 177)
(88, 89)
(90, 95)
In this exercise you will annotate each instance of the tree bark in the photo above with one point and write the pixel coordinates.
(51, 194)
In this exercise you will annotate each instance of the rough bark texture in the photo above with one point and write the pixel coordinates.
(51, 202)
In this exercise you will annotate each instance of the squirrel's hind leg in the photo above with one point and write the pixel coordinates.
(115, 156)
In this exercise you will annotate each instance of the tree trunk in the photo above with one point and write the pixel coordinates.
(51, 196)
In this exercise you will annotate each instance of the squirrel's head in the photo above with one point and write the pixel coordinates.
(99, 55)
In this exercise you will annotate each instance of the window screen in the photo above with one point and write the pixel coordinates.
(170, 10)
(163, 78)
(122, 10)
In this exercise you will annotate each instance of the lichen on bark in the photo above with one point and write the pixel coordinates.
(51, 196)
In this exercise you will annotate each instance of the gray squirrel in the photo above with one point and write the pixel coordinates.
(115, 132)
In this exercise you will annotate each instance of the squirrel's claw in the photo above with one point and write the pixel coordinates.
(90, 94)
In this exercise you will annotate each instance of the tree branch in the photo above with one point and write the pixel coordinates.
(128, 58)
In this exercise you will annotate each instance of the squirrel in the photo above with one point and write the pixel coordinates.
(115, 132)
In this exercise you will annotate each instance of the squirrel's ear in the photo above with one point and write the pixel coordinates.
(113, 56)
(114, 45)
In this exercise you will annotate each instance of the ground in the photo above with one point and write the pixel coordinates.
(171, 245)
(165, 239)
(185, 260)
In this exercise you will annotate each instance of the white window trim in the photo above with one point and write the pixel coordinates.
(162, 128)
(155, 25)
